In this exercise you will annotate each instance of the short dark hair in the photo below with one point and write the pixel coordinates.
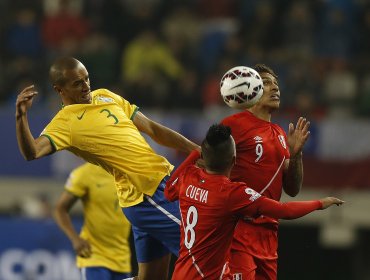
(218, 148)
(56, 73)
(262, 68)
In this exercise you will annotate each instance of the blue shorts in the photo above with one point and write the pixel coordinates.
(102, 273)
(156, 226)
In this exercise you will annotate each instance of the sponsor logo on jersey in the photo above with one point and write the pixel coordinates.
(258, 139)
(253, 194)
(82, 115)
(282, 141)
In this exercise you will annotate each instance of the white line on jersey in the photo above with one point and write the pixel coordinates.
(223, 270)
(190, 254)
(164, 211)
(273, 177)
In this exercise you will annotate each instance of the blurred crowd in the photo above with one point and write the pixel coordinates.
(171, 54)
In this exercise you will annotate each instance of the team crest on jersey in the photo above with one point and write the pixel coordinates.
(282, 141)
(237, 276)
(105, 99)
(253, 194)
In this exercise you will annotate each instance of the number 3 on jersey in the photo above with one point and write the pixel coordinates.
(191, 222)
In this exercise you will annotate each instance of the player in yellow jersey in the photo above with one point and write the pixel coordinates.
(104, 128)
(102, 248)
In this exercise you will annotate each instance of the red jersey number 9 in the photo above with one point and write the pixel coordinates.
(189, 229)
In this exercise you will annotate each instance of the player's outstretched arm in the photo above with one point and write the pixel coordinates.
(293, 173)
(163, 135)
(63, 219)
(29, 147)
(293, 209)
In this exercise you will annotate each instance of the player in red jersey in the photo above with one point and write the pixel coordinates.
(270, 161)
(211, 204)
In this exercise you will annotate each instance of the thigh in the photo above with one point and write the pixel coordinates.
(156, 269)
(242, 266)
(156, 226)
(266, 269)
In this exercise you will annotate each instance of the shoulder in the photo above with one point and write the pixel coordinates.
(278, 128)
(241, 192)
(83, 170)
(105, 95)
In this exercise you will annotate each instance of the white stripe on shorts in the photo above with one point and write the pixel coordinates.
(164, 211)
(83, 273)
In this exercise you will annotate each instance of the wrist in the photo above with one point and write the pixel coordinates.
(297, 156)
(19, 115)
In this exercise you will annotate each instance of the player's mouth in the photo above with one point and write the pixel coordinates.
(275, 97)
(86, 97)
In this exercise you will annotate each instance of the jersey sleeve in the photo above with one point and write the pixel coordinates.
(172, 185)
(76, 183)
(58, 132)
(285, 138)
(287, 210)
(256, 205)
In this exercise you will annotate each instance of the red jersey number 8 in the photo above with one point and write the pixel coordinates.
(189, 229)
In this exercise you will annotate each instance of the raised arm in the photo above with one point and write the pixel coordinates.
(172, 189)
(293, 169)
(63, 219)
(29, 147)
(163, 135)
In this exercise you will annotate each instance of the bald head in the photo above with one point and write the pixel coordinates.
(57, 70)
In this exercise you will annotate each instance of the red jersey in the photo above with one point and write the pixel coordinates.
(210, 206)
(261, 149)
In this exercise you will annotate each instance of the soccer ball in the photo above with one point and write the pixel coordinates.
(241, 87)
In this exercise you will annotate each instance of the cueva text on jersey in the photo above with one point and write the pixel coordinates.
(196, 193)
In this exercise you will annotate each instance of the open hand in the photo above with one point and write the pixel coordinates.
(297, 136)
(24, 100)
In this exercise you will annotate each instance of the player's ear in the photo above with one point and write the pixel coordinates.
(57, 89)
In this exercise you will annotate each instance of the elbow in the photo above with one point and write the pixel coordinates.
(29, 157)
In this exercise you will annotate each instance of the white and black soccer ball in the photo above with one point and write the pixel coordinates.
(241, 87)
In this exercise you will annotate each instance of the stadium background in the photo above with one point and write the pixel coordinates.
(167, 57)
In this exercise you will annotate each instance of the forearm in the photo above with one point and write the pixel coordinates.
(170, 138)
(288, 210)
(26, 142)
(64, 222)
(293, 177)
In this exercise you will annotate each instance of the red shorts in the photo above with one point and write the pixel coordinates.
(253, 254)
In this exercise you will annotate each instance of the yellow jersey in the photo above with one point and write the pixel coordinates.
(103, 133)
(105, 226)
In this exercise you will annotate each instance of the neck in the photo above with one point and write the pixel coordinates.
(261, 114)
(225, 172)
